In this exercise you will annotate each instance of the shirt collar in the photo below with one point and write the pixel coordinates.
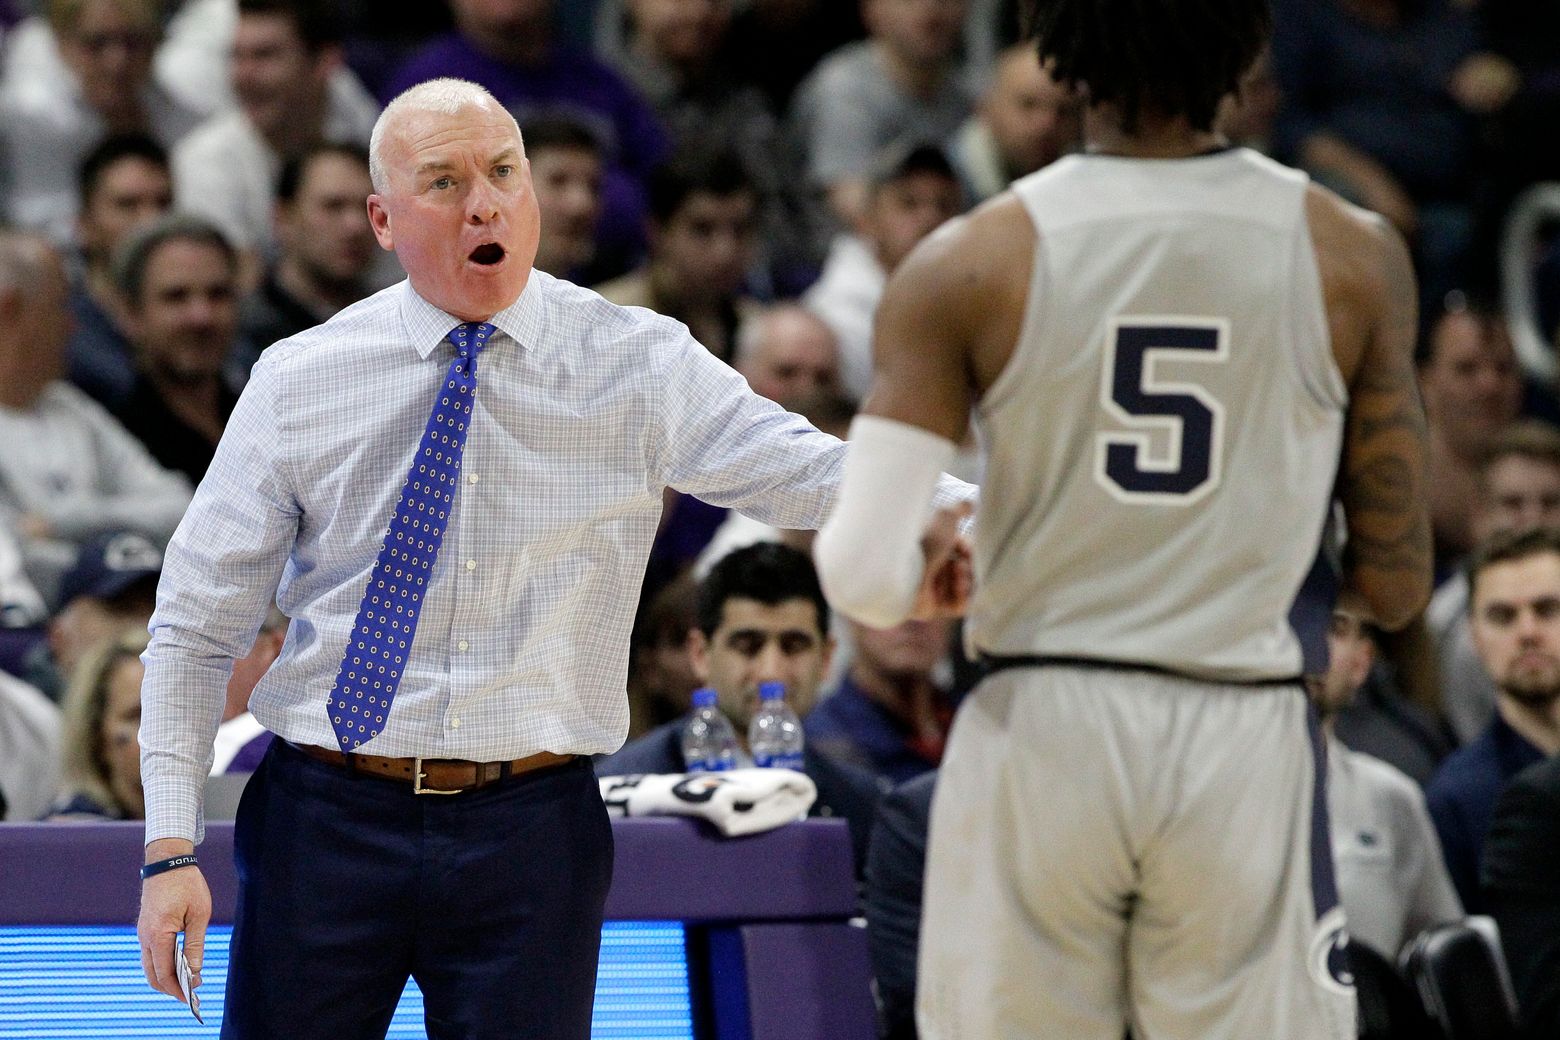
(427, 325)
(1514, 751)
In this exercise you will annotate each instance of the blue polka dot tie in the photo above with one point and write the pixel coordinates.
(382, 635)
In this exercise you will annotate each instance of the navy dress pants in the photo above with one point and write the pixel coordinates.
(348, 885)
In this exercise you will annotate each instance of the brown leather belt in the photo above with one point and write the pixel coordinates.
(435, 775)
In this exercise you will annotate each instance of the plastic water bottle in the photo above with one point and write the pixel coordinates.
(775, 734)
(709, 744)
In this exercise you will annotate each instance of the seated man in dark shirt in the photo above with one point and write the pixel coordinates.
(889, 714)
(124, 184)
(327, 249)
(1522, 891)
(761, 618)
(179, 281)
(1514, 606)
(896, 866)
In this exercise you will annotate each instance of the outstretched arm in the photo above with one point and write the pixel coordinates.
(882, 555)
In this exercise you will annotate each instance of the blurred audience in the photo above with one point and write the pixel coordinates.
(1519, 147)
(284, 56)
(100, 747)
(1247, 118)
(890, 714)
(911, 193)
(777, 43)
(91, 76)
(511, 48)
(899, 87)
(1521, 877)
(566, 173)
(761, 618)
(1514, 606)
(1472, 391)
(124, 184)
(770, 44)
(29, 751)
(179, 282)
(1024, 121)
(1379, 99)
(68, 471)
(786, 352)
(673, 52)
(703, 233)
(1385, 724)
(1518, 489)
(1392, 879)
(327, 249)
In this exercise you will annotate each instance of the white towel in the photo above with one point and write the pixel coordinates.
(738, 801)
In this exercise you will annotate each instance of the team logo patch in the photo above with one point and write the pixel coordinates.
(698, 787)
(1328, 960)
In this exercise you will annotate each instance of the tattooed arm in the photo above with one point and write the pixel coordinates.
(1382, 482)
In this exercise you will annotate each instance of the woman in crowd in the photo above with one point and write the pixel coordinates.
(101, 774)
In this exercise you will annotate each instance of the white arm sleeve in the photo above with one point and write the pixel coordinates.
(869, 552)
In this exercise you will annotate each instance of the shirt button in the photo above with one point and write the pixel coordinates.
(471, 565)
(454, 724)
(471, 478)
(462, 645)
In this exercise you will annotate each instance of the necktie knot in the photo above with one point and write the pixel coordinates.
(469, 337)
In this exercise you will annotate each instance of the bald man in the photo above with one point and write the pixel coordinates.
(786, 352)
(459, 623)
(1025, 121)
(68, 470)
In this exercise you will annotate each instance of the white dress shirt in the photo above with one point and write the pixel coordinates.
(846, 297)
(226, 172)
(67, 460)
(585, 411)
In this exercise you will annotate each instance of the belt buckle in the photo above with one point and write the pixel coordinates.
(417, 780)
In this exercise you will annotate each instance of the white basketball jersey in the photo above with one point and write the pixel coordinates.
(1161, 448)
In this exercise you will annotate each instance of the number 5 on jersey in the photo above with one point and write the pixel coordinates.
(1188, 419)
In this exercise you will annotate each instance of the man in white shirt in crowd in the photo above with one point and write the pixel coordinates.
(285, 54)
(1391, 876)
(68, 470)
(912, 192)
(1025, 121)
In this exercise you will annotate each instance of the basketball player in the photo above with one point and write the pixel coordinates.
(1167, 345)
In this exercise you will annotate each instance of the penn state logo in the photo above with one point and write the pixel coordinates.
(697, 787)
(1329, 955)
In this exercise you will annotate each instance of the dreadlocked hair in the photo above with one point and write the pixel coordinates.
(1166, 57)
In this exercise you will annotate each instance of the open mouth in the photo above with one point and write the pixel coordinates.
(487, 254)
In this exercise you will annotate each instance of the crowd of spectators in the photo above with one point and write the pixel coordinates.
(182, 185)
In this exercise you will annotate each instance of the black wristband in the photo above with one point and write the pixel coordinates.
(163, 865)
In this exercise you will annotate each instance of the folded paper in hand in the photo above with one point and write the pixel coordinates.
(738, 801)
